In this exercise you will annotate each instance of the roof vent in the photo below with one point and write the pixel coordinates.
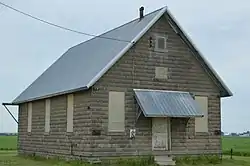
(141, 12)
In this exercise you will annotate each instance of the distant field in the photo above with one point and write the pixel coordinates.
(240, 145)
(8, 142)
(237, 143)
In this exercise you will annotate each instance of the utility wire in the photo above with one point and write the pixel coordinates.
(59, 26)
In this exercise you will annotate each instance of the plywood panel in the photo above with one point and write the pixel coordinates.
(159, 134)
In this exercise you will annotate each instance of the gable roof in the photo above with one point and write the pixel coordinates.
(84, 64)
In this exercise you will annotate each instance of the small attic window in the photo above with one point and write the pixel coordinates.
(161, 43)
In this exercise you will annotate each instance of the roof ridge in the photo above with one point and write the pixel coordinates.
(115, 29)
(129, 22)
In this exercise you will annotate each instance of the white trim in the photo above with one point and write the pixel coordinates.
(118, 56)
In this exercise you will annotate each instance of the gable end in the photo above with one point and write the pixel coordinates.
(224, 90)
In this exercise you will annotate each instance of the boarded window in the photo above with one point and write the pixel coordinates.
(29, 117)
(47, 115)
(70, 109)
(116, 121)
(201, 123)
(161, 72)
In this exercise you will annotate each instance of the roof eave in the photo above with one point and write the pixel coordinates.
(17, 102)
(226, 94)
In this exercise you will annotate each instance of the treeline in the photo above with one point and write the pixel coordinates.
(246, 133)
(8, 134)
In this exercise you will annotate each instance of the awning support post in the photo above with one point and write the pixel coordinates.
(4, 104)
(139, 111)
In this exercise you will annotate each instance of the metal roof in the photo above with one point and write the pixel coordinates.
(84, 64)
(81, 65)
(159, 103)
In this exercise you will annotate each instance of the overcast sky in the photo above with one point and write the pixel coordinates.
(221, 30)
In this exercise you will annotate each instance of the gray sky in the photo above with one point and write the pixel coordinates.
(221, 29)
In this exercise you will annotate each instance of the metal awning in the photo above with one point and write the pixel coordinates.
(160, 103)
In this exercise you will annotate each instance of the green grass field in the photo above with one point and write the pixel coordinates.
(240, 145)
(8, 142)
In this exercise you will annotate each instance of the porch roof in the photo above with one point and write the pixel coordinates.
(160, 103)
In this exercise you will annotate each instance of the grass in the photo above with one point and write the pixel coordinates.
(10, 159)
(8, 143)
(226, 161)
(240, 145)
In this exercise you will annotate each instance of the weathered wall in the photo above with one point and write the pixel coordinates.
(136, 69)
(57, 141)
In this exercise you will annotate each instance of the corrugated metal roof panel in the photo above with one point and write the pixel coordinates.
(156, 103)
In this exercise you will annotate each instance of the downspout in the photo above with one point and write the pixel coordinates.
(5, 106)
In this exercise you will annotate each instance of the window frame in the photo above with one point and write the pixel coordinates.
(156, 47)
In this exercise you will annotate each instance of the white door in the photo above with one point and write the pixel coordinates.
(160, 133)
